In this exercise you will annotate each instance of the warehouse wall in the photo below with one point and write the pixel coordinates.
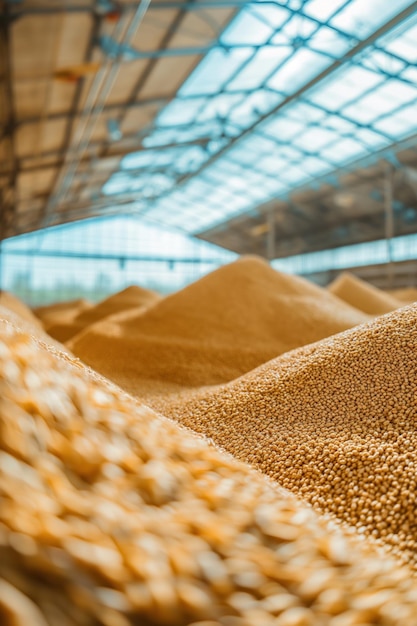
(97, 257)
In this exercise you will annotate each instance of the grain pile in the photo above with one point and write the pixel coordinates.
(30, 326)
(10, 302)
(363, 295)
(214, 330)
(133, 297)
(113, 516)
(408, 294)
(61, 312)
(334, 422)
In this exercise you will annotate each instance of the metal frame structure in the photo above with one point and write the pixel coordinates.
(265, 216)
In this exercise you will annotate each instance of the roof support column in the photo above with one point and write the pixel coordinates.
(389, 223)
(8, 183)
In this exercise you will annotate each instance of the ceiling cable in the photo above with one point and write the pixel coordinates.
(98, 92)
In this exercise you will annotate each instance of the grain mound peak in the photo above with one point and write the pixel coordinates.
(363, 295)
(407, 294)
(216, 329)
(129, 298)
(14, 304)
(61, 311)
(133, 297)
(335, 422)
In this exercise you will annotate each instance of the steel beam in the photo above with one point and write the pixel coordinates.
(157, 5)
(351, 54)
(108, 257)
(389, 222)
(8, 190)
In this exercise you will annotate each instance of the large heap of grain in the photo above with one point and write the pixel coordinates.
(113, 516)
(407, 294)
(133, 297)
(18, 307)
(363, 295)
(214, 330)
(14, 311)
(61, 312)
(335, 422)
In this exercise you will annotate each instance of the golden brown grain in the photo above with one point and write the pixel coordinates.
(61, 312)
(214, 330)
(12, 303)
(111, 515)
(65, 327)
(406, 295)
(335, 422)
(363, 295)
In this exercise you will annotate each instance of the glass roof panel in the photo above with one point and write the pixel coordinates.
(401, 123)
(295, 32)
(323, 9)
(265, 61)
(252, 126)
(253, 106)
(283, 128)
(388, 97)
(361, 18)
(315, 139)
(180, 111)
(148, 186)
(215, 69)
(183, 133)
(379, 61)
(174, 157)
(328, 41)
(371, 138)
(344, 86)
(302, 66)
(343, 151)
(405, 45)
(410, 74)
(314, 165)
(247, 28)
(271, 13)
(218, 107)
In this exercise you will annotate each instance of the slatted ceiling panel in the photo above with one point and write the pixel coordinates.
(29, 141)
(60, 97)
(33, 45)
(3, 155)
(137, 119)
(128, 74)
(99, 131)
(199, 28)
(153, 30)
(75, 30)
(26, 139)
(106, 164)
(167, 76)
(31, 184)
(87, 83)
(29, 97)
(148, 37)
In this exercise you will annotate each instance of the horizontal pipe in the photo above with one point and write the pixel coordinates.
(169, 5)
(107, 257)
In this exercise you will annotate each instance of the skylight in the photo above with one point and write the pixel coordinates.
(280, 99)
